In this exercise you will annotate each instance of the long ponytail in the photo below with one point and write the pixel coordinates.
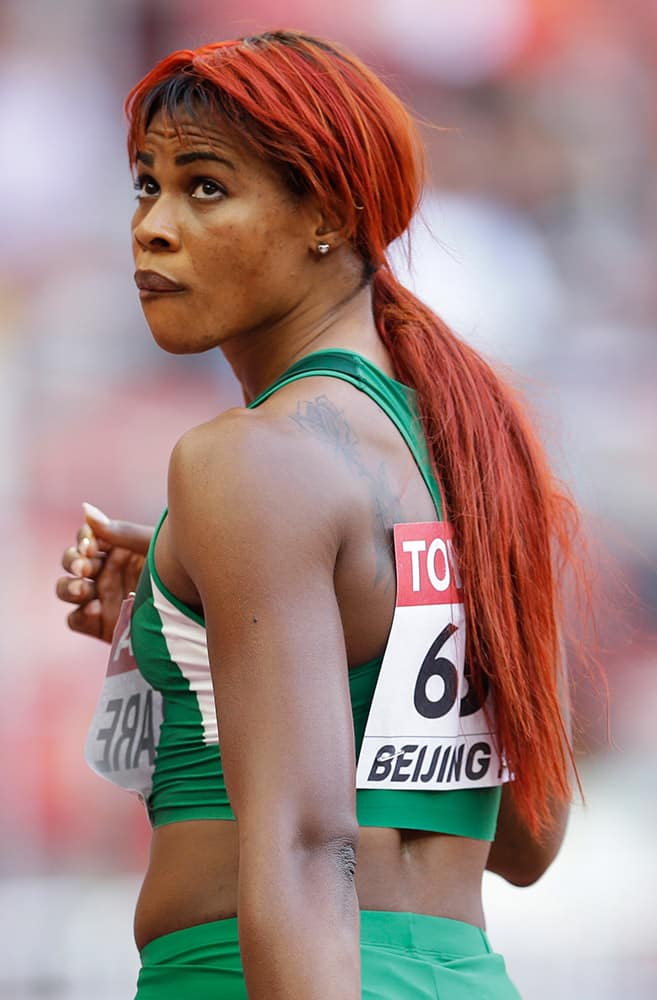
(514, 531)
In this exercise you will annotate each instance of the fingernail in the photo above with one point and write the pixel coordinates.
(92, 608)
(75, 588)
(95, 513)
(83, 546)
(77, 566)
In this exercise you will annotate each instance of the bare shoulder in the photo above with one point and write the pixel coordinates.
(297, 438)
(217, 454)
(251, 472)
(242, 450)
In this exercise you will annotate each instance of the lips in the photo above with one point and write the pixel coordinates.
(152, 281)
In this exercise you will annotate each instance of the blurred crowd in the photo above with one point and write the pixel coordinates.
(537, 241)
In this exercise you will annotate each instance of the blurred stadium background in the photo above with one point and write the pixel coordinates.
(542, 207)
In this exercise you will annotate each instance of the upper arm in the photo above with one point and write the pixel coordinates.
(251, 523)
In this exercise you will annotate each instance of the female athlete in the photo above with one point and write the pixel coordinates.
(320, 554)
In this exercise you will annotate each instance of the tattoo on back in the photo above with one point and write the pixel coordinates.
(322, 418)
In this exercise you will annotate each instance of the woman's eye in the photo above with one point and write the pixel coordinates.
(205, 189)
(146, 187)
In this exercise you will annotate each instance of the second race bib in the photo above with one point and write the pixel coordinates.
(125, 730)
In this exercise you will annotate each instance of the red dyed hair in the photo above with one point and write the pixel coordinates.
(338, 133)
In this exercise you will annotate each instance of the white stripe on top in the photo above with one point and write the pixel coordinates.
(187, 645)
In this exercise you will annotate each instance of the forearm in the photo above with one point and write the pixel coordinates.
(299, 924)
(516, 854)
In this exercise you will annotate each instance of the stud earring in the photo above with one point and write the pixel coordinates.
(323, 248)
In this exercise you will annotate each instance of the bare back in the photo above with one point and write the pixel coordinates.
(371, 481)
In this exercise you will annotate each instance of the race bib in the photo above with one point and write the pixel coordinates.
(125, 730)
(426, 729)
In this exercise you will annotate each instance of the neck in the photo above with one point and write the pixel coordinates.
(259, 358)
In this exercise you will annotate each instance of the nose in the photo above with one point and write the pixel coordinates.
(156, 228)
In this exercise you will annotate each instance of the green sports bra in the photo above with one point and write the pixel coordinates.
(169, 644)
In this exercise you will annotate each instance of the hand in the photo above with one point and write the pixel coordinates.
(105, 565)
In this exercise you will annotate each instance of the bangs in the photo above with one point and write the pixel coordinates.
(187, 97)
(182, 96)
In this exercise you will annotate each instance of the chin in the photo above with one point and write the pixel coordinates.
(170, 328)
(174, 343)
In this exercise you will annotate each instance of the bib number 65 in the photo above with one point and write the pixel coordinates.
(434, 665)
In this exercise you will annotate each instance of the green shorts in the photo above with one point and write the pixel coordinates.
(403, 956)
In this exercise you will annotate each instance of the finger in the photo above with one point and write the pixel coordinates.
(76, 564)
(94, 514)
(89, 568)
(87, 542)
(85, 531)
(102, 545)
(69, 555)
(135, 537)
(75, 591)
(86, 620)
(73, 553)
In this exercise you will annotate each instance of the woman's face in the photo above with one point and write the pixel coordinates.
(222, 248)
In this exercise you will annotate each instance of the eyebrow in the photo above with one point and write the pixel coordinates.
(184, 158)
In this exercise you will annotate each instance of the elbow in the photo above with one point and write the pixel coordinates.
(302, 847)
(335, 843)
(344, 851)
(522, 878)
(308, 875)
(527, 867)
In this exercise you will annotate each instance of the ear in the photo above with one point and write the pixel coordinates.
(328, 232)
(330, 224)
(322, 224)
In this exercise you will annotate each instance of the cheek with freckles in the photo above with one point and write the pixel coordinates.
(247, 276)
